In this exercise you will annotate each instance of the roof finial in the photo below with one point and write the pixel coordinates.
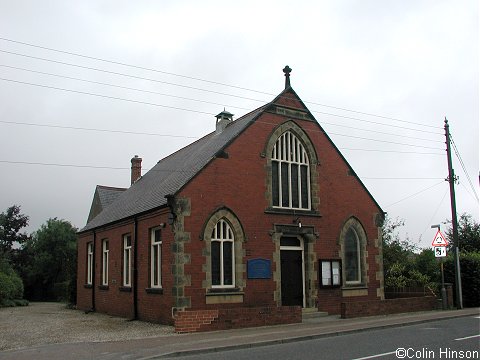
(287, 70)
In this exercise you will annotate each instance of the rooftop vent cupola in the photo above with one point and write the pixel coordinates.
(136, 169)
(223, 119)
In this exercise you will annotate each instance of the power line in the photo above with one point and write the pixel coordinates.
(96, 129)
(191, 110)
(120, 87)
(401, 178)
(380, 132)
(213, 103)
(385, 141)
(435, 213)
(457, 153)
(207, 81)
(145, 169)
(417, 193)
(393, 151)
(129, 76)
(176, 136)
(211, 91)
(107, 96)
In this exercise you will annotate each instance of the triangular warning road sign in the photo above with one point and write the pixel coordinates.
(439, 240)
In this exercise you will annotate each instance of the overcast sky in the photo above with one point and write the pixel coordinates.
(379, 76)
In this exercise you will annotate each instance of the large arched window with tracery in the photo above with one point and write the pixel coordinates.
(290, 173)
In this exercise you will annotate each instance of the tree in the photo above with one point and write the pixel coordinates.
(396, 250)
(403, 265)
(469, 246)
(468, 234)
(11, 222)
(52, 267)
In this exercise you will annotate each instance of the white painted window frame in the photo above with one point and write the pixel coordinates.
(222, 239)
(155, 261)
(90, 263)
(290, 150)
(127, 260)
(105, 251)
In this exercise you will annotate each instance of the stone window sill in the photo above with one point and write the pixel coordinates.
(103, 287)
(88, 286)
(125, 288)
(232, 297)
(154, 290)
(296, 212)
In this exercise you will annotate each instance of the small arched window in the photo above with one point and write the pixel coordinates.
(290, 173)
(353, 272)
(222, 255)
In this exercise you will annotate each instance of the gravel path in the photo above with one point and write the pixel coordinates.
(49, 323)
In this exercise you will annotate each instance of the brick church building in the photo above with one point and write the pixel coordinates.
(263, 215)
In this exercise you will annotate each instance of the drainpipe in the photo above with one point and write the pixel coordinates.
(94, 265)
(135, 272)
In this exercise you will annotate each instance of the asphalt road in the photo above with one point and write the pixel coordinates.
(445, 339)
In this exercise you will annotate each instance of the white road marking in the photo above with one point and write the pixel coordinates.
(467, 337)
(375, 356)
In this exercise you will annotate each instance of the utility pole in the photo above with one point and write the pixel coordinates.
(451, 180)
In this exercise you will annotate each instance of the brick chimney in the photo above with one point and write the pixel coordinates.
(136, 168)
(223, 120)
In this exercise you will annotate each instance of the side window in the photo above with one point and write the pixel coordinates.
(127, 260)
(89, 263)
(352, 258)
(222, 255)
(290, 173)
(105, 262)
(353, 242)
(155, 258)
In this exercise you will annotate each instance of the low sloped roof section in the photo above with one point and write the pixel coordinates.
(170, 175)
(103, 197)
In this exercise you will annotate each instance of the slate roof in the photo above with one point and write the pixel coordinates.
(104, 196)
(170, 174)
(108, 194)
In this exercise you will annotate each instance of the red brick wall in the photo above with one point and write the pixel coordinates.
(155, 307)
(385, 307)
(114, 300)
(223, 319)
(238, 183)
(84, 294)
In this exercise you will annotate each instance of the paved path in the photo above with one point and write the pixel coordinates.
(174, 344)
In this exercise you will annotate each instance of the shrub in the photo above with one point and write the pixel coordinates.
(470, 273)
(11, 286)
(21, 302)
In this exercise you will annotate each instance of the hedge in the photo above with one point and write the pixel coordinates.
(470, 275)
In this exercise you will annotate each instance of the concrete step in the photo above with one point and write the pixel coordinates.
(312, 313)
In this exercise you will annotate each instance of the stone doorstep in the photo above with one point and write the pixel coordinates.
(312, 313)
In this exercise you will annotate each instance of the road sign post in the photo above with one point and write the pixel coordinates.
(439, 247)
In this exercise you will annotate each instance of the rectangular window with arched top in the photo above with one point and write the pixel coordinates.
(155, 258)
(222, 256)
(290, 174)
(127, 260)
(352, 258)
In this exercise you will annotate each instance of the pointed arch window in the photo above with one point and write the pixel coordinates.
(222, 255)
(353, 273)
(290, 173)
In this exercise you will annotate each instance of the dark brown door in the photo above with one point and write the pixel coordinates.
(292, 279)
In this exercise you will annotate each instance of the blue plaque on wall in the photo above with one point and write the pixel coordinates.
(258, 269)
